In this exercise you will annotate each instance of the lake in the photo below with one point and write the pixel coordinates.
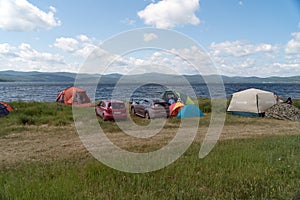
(47, 92)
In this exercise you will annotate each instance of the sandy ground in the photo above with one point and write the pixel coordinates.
(49, 143)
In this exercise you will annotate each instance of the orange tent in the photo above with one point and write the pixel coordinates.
(175, 107)
(5, 109)
(73, 96)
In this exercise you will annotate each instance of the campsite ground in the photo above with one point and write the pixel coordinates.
(47, 143)
(42, 155)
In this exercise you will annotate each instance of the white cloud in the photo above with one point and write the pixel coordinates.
(293, 46)
(149, 37)
(7, 51)
(26, 58)
(85, 50)
(52, 9)
(20, 15)
(180, 61)
(240, 48)
(286, 69)
(66, 44)
(174, 61)
(128, 21)
(240, 58)
(170, 13)
(81, 46)
(83, 38)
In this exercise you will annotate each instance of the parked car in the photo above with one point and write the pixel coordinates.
(150, 108)
(111, 109)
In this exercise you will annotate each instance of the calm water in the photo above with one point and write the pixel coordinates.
(46, 92)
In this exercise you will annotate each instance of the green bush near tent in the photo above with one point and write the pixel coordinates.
(204, 105)
(35, 113)
(296, 103)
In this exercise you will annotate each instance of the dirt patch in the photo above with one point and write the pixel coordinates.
(41, 143)
(48, 143)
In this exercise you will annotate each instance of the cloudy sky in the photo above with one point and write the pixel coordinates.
(242, 37)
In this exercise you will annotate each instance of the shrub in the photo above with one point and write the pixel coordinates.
(38, 113)
(26, 120)
(205, 105)
(296, 103)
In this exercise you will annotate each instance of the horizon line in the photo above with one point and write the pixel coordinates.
(233, 76)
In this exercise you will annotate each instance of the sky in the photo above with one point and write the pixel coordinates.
(242, 37)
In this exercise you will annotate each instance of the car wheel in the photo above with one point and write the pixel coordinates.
(96, 112)
(147, 116)
(103, 117)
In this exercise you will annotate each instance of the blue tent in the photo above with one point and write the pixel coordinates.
(190, 110)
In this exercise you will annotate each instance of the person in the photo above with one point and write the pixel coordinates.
(179, 100)
(278, 99)
(171, 100)
(289, 101)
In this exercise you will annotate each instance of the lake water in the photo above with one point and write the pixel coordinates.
(47, 92)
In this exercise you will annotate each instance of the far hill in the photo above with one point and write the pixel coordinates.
(34, 76)
(16, 76)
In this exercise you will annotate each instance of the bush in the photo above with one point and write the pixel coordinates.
(38, 113)
(296, 103)
(205, 105)
(26, 120)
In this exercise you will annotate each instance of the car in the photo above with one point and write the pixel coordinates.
(150, 108)
(111, 110)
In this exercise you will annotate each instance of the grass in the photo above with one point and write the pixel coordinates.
(35, 113)
(260, 168)
(265, 167)
(296, 102)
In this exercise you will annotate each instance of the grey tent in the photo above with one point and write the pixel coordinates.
(251, 102)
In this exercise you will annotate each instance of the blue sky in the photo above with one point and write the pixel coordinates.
(242, 37)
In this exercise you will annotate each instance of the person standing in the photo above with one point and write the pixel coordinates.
(171, 101)
(289, 101)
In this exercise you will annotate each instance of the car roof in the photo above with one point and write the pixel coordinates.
(113, 101)
(154, 99)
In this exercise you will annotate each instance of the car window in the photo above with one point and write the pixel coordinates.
(170, 95)
(102, 104)
(118, 105)
(163, 104)
(146, 102)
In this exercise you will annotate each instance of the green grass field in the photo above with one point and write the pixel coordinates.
(265, 167)
(261, 168)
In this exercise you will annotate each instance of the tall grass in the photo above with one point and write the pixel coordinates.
(261, 168)
(53, 114)
(296, 103)
(35, 113)
(258, 168)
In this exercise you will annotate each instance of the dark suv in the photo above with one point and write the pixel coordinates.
(150, 108)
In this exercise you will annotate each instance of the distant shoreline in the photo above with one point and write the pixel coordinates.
(62, 77)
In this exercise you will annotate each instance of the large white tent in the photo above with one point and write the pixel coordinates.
(251, 101)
